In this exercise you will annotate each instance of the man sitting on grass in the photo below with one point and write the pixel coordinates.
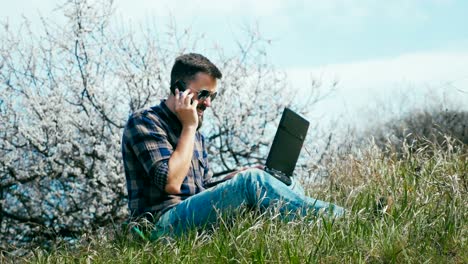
(166, 163)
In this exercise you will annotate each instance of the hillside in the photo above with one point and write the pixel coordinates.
(411, 209)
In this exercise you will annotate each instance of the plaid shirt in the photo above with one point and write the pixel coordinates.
(149, 138)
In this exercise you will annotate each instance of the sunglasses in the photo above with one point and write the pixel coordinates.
(204, 94)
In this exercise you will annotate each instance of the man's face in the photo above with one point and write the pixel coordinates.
(202, 81)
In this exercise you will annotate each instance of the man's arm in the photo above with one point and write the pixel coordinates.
(179, 162)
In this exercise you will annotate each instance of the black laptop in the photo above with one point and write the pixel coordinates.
(286, 147)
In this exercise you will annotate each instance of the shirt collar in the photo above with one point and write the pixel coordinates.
(172, 118)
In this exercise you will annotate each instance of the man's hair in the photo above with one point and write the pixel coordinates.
(188, 65)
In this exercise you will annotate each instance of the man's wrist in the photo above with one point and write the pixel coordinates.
(189, 128)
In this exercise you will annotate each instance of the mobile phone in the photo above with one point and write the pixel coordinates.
(179, 84)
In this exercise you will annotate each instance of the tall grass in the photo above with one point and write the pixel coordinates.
(402, 208)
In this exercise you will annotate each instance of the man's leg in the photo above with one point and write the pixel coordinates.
(296, 187)
(253, 188)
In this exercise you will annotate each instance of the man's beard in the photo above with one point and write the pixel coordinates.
(200, 122)
(200, 118)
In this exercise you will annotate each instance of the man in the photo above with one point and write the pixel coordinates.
(166, 164)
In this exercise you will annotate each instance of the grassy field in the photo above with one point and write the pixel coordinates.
(407, 209)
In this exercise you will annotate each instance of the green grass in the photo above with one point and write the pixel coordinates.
(423, 219)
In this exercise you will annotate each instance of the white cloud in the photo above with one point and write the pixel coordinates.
(442, 76)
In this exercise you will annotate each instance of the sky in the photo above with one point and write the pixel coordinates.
(380, 52)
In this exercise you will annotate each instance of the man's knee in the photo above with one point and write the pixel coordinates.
(254, 175)
(261, 178)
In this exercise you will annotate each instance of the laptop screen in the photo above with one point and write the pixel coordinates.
(288, 141)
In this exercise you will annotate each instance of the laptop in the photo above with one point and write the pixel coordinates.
(285, 149)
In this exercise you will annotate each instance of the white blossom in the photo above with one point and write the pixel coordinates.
(66, 93)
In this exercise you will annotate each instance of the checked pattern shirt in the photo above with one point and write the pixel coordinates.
(149, 138)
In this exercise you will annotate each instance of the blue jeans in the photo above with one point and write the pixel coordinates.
(253, 188)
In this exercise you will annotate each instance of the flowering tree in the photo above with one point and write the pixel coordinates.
(65, 95)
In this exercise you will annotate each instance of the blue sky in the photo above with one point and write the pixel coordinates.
(322, 32)
(377, 50)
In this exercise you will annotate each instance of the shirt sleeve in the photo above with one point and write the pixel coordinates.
(150, 144)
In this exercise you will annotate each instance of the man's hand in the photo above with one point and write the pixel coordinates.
(232, 174)
(185, 109)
